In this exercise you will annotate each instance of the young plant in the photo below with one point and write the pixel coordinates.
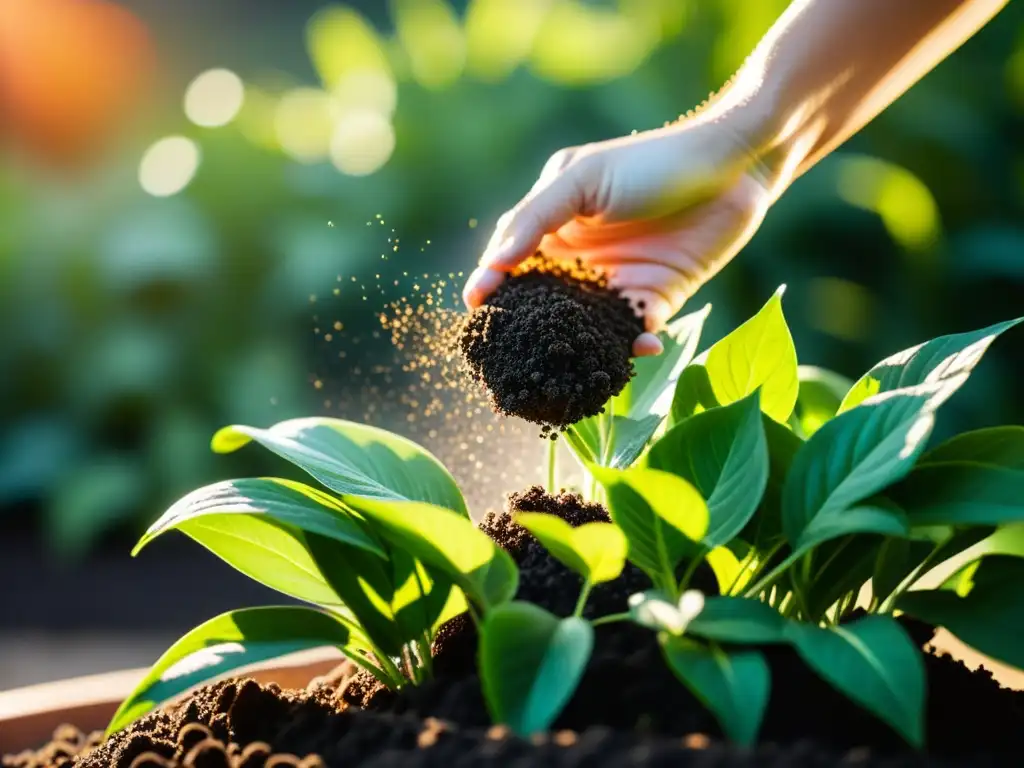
(820, 497)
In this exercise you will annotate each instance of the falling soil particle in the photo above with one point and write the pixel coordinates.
(628, 710)
(551, 344)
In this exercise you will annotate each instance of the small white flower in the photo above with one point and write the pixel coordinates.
(660, 614)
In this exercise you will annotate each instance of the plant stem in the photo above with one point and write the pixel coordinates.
(775, 573)
(611, 618)
(389, 668)
(911, 579)
(584, 594)
(690, 569)
(607, 430)
(552, 465)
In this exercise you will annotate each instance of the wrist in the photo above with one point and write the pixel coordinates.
(776, 141)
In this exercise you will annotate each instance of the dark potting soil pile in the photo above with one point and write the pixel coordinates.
(628, 710)
(551, 344)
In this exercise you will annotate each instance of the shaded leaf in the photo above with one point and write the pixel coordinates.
(225, 643)
(353, 459)
(860, 519)
(994, 446)
(961, 493)
(758, 354)
(874, 663)
(734, 686)
(530, 664)
(724, 454)
(739, 620)
(596, 551)
(990, 618)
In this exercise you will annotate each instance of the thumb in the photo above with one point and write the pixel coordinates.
(555, 200)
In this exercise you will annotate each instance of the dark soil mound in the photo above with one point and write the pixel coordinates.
(628, 710)
(243, 724)
(552, 344)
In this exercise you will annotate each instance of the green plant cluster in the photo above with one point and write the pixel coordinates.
(808, 496)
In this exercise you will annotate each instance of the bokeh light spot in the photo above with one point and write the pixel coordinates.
(304, 124)
(168, 166)
(363, 142)
(214, 98)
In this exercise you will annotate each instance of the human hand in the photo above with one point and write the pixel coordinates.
(659, 212)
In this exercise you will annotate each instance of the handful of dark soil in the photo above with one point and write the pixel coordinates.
(552, 344)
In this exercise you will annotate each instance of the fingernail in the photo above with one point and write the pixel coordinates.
(647, 345)
(482, 282)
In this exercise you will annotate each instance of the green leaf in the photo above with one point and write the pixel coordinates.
(734, 686)
(225, 643)
(821, 393)
(724, 454)
(693, 394)
(284, 501)
(447, 541)
(596, 551)
(961, 493)
(990, 618)
(661, 515)
(730, 573)
(946, 357)
(739, 620)
(860, 519)
(530, 664)
(765, 529)
(758, 354)
(994, 446)
(874, 663)
(353, 459)
(855, 455)
(638, 411)
(839, 567)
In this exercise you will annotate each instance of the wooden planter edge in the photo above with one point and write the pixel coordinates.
(29, 715)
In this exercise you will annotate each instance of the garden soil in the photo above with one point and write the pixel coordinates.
(551, 344)
(628, 710)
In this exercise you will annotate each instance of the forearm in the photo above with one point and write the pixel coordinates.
(828, 67)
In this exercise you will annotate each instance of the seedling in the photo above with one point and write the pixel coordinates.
(807, 495)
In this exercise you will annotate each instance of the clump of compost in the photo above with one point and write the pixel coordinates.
(551, 344)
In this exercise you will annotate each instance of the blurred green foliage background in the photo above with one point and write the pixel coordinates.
(166, 290)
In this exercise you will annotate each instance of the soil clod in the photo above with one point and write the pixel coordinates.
(552, 343)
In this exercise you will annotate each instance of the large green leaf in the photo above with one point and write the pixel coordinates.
(662, 515)
(596, 551)
(990, 618)
(855, 455)
(530, 664)
(284, 501)
(353, 459)
(738, 620)
(638, 411)
(863, 518)
(873, 662)
(765, 528)
(993, 446)
(724, 454)
(225, 643)
(758, 354)
(447, 541)
(733, 685)
(961, 493)
(821, 393)
(943, 358)
(693, 393)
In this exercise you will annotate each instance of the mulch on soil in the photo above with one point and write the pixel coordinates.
(628, 709)
(552, 343)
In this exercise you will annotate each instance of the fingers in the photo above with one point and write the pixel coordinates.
(482, 282)
(555, 200)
